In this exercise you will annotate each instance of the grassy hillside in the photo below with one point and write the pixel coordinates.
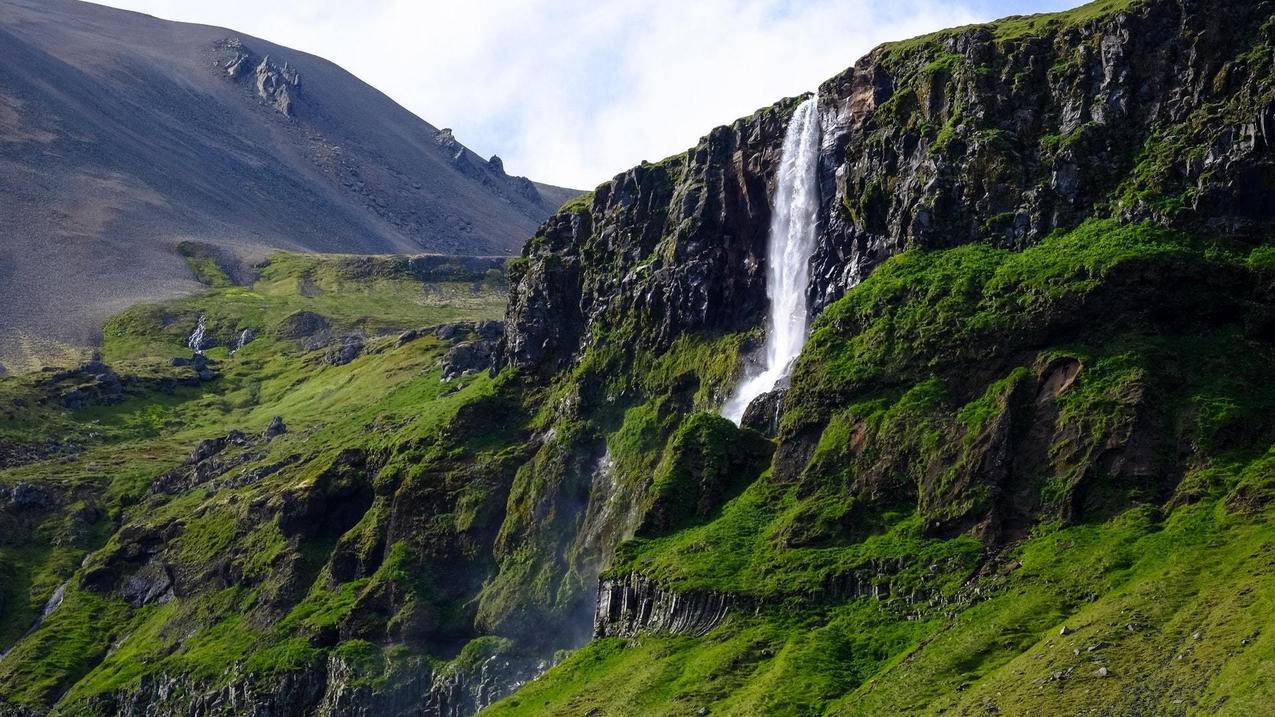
(1118, 561)
(92, 468)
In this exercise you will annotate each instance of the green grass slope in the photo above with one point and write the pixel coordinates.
(95, 466)
(1121, 564)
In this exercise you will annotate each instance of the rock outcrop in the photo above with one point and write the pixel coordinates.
(632, 604)
(275, 85)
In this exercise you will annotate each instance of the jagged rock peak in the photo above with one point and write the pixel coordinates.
(274, 84)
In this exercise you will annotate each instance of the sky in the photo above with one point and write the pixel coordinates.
(571, 92)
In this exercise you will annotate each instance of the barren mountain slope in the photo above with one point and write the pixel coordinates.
(122, 135)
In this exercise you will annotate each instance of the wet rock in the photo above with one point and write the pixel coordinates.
(634, 604)
(762, 415)
(459, 691)
(243, 338)
(600, 263)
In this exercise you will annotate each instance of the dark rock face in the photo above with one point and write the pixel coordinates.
(150, 584)
(967, 138)
(454, 332)
(634, 604)
(92, 383)
(29, 497)
(1038, 134)
(466, 358)
(674, 247)
(475, 346)
(463, 692)
(208, 460)
(762, 415)
(200, 365)
(327, 688)
(274, 429)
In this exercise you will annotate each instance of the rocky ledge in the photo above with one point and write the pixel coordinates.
(635, 604)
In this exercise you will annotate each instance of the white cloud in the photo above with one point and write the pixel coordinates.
(573, 91)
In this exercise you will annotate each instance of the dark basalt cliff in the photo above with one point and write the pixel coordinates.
(1158, 112)
(675, 247)
(1161, 112)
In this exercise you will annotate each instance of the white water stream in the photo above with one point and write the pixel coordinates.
(792, 241)
(196, 339)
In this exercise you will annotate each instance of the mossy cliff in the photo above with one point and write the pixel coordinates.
(1023, 466)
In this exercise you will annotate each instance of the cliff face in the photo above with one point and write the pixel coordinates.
(1004, 134)
(673, 248)
(1001, 134)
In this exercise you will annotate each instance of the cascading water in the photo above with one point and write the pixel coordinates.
(792, 241)
(196, 340)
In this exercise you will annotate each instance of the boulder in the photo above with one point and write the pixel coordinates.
(466, 358)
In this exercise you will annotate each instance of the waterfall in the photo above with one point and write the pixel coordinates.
(196, 340)
(792, 241)
(244, 337)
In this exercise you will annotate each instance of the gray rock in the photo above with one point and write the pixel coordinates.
(151, 584)
(26, 496)
(762, 415)
(454, 332)
(275, 428)
(301, 325)
(490, 330)
(466, 358)
(345, 351)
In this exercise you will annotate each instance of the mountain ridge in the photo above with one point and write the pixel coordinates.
(126, 134)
